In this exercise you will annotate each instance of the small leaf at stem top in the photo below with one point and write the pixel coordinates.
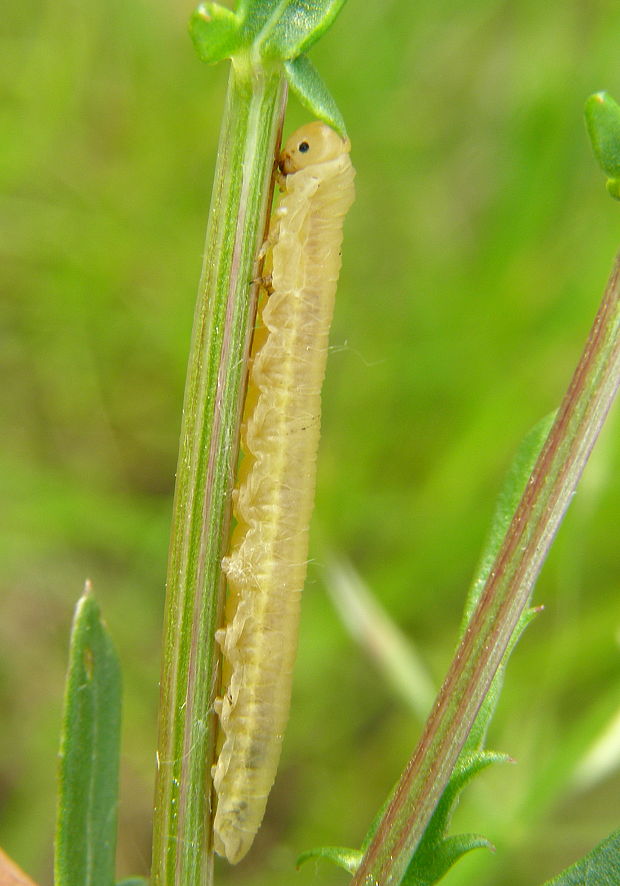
(272, 31)
(603, 124)
(275, 30)
(215, 32)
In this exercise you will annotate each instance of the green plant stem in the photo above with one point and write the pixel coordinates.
(507, 592)
(207, 460)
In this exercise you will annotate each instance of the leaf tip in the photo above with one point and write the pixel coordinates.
(214, 31)
(348, 859)
(306, 84)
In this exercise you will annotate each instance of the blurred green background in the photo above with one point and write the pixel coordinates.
(474, 259)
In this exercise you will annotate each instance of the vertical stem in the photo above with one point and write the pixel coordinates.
(506, 593)
(221, 338)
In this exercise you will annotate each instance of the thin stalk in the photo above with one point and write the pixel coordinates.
(506, 593)
(207, 459)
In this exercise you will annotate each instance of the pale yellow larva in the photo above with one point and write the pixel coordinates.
(273, 502)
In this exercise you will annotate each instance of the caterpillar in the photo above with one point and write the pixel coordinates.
(274, 496)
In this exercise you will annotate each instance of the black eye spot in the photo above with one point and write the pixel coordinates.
(303, 147)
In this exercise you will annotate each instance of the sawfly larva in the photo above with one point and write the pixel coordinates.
(274, 497)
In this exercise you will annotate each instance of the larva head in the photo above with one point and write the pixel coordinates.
(310, 144)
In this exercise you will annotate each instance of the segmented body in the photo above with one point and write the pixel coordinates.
(266, 567)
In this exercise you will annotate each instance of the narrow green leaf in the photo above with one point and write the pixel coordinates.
(348, 859)
(466, 769)
(89, 754)
(512, 488)
(437, 853)
(426, 869)
(215, 32)
(299, 26)
(603, 124)
(133, 881)
(600, 867)
(508, 499)
(306, 83)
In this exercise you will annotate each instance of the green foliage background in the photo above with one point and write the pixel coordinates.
(475, 255)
